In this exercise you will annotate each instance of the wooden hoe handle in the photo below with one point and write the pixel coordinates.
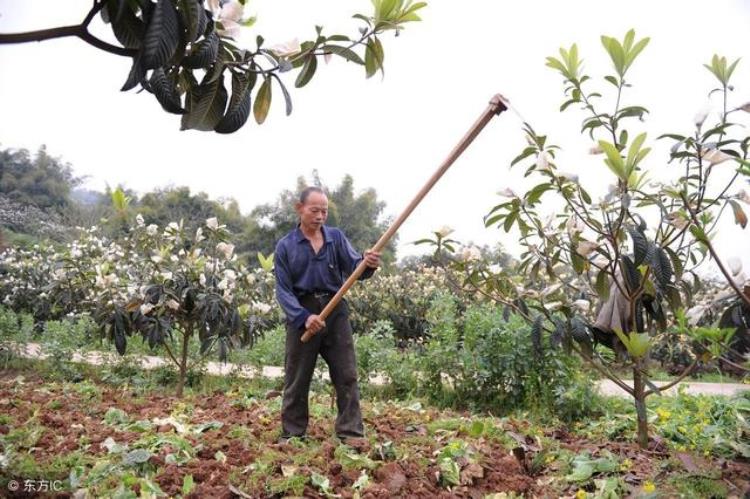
(496, 106)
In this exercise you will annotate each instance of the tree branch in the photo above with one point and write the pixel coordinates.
(672, 383)
(80, 31)
(711, 250)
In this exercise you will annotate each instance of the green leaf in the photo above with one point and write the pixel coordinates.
(449, 471)
(639, 344)
(266, 263)
(631, 274)
(476, 429)
(344, 52)
(165, 90)
(287, 97)
(136, 456)
(204, 53)
(307, 72)
(193, 18)
(616, 53)
(661, 265)
(373, 56)
(187, 485)
(699, 234)
(640, 245)
(555, 63)
(525, 154)
(239, 106)
(128, 29)
(601, 285)
(633, 53)
(262, 102)
(205, 106)
(614, 160)
(582, 472)
(162, 35)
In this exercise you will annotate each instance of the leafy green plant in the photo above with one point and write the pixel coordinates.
(594, 272)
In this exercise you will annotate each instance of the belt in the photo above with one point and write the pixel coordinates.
(318, 295)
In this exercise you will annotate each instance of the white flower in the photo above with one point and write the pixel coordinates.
(701, 116)
(230, 275)
(212, 223)
(156, 258)
(139, 220)
(229, 15)
(226, 249)
(223, 284)
(287, 49)
(199, 235)
(202, 279)
(715, 156)
(542, 161)
(172, 304)
(146, 308)
(585, 248)
(743, 196)
(744, 107)
(166, 275)
(574, 225)
(507, 193)
(152, 229)
(595, 150)
(262, 308)
(173, 226)
(582, 305)
(470, 253)
(174, 258)
(444, 231)
(76, 253)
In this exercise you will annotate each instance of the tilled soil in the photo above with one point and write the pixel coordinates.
(59, 427)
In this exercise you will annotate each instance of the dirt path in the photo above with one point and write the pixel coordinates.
(606, 387)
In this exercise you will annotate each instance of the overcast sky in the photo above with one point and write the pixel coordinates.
(390, 133)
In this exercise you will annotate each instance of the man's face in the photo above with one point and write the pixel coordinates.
(313, 212)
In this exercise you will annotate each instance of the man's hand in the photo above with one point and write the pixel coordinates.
(314, 323)
(372, 259)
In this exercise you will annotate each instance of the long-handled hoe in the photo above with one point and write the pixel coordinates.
(497, 105)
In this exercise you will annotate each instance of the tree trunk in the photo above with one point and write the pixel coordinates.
(639, 395)
(183, 361)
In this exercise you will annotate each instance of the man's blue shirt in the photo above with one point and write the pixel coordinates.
(299, 270)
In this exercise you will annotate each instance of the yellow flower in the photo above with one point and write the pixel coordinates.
(581, 494)
(648, 486)
(663, 414)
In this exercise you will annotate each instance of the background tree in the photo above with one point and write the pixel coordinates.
(184, 50)
(44, 181)
(358, 215)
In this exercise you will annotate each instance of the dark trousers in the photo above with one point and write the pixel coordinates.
(335, 344)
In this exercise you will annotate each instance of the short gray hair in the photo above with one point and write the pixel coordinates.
(307, 191)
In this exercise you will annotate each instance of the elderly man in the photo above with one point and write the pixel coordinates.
(312, 262)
